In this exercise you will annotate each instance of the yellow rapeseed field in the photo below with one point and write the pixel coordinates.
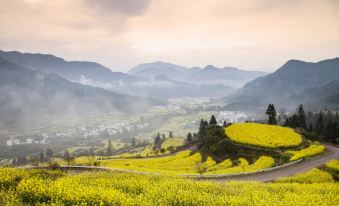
(185, 163)
(333, 165)
(263, 135)
(312, 150)
(107, 188)
(313, 176)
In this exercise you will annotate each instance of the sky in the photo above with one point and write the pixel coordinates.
(248, 34)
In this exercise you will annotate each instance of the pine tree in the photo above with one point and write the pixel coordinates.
(189, 137)
(202, 128)
(301, 117)
(213, 121)
(330, 131)
(224, 123)
(170, 134)
(271, 114)
(109, 148)
(287, 122)
(295, 121)
(319, 127)
(157, 140)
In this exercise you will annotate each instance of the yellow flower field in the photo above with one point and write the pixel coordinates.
(313, 176)
(333, 165)
(263, 135)
(312, 150)
(184, 163)
(107, 188)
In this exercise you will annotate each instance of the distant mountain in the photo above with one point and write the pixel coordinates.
(162, 84)
(26, 95)
(158, 68)
(209, 75)
(72, 70)
(320, 97)
(293, 77)
(228, 75)
(162, 87)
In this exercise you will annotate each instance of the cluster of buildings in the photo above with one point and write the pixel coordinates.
(234, 117)
(27, 140)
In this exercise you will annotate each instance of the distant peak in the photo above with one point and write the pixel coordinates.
(231, 68)
(209, 67)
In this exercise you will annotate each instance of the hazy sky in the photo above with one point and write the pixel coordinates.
(249, 34)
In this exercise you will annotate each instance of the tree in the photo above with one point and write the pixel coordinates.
(170, 134)
(163, 137)
(49, 153)
(42, 157)
(109, 148)
(67, 157)
(213, 121)
(319, 127)
(189, 137)
(202, 128)
(157, 141)
(224, 123)
(331, 131)
(301, 117)
(271, 114)
(162, 150)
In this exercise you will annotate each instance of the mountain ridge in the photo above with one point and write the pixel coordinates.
(292, 77)
(26, 93)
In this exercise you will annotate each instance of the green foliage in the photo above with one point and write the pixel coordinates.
(271, 114)
(189, 137)
(213, 121)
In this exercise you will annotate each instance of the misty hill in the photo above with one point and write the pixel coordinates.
(162, 87)
(72, 70)
(209, 75)
(292, 78)
(320, 97)
(26, 94)
(94, 74)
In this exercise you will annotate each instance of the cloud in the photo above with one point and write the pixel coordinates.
(127, 7)
(123, 33)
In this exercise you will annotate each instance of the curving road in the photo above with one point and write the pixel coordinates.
(331, 152)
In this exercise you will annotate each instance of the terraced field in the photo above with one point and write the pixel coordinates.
(186, 163)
